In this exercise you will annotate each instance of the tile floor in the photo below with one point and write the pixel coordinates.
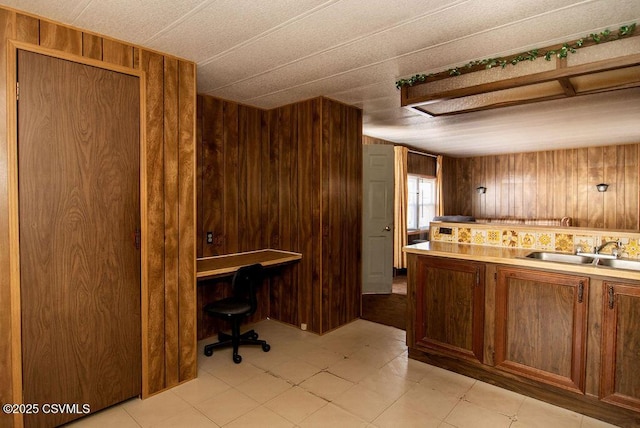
(356, 376)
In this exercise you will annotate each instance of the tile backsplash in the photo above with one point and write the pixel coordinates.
(561, 239)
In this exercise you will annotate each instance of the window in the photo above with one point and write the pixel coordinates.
(421, 201)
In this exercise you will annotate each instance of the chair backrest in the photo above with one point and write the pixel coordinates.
(245, 284)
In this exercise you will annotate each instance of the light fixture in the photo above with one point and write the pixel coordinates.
(482, 189)
(593, 69)
(602, 187)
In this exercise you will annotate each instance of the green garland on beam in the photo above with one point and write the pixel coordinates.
(532, 55)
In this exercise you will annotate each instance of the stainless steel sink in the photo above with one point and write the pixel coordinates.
(575, 259)
(620, 263)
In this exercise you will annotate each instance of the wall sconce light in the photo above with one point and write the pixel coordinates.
(482, 189)
(602, 187)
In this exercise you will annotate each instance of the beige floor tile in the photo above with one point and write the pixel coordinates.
(400, 414)
(333, 416)
(410, 369)
(341, 345)
(227, 406)
(447, 382)
(189, 418)
(429, 401)
(534, 413)
(386, 384)
(265, 360)
(352, 369)
(494, 398)
(326, 385)
(588, 422)
(155, 409)
(204, 387)
(295, 371)
(260, 417)
(112, 417)
(469, 415)
(296, 404)
(376, 357)
(318, 357)
(363, 402)
(234, 374)
(264, 387)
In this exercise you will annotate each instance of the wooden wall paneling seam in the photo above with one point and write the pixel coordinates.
(171, 166)
(92, 46)
(187, 317)
(200, 235)
(9, 221)
(231, 176)
(243, 113)
(59, 37)
(325, 302)
(317, 226)
(117, 53)
(153, 65)
(582, 214)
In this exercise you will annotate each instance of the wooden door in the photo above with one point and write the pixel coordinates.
(377, 213)
(450, 307)
(620, 373)
(541, 320)
(79, 208)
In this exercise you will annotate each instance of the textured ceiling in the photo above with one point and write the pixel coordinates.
(268, 53)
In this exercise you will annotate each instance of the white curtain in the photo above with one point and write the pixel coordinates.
(400, 207)
(439, 193)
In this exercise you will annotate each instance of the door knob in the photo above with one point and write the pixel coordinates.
(388, 229)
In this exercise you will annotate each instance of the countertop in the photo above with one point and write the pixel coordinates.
(512, 256)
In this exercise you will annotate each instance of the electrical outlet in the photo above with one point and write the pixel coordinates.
(209, 237)
(303, 326)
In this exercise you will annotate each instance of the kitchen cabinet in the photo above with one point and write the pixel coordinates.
(620, 367)
(449, 311)
(541, 322)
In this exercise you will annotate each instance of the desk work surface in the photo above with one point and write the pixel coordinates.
(225, 264)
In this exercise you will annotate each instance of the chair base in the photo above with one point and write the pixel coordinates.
(224, 340)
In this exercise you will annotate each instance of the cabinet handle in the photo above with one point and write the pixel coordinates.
(611, 297)
(580, 291)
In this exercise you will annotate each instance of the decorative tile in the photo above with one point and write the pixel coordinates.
(632, 249)
(586, 243)
(564, 243)
(437, 236)
(607, 238)
(478, 237)
(464, 235)
(509, 238)
(493, 237)
(526, 239)
(545, 241)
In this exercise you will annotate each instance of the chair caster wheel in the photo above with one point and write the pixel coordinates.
(237, 359)
(266, 347)
(208, 352)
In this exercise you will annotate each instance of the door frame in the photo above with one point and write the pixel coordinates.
(14, 220)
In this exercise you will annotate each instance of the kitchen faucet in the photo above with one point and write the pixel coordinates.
(614, 251)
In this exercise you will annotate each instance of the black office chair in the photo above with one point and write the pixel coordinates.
(242, 304)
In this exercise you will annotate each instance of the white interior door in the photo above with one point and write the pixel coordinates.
(377, 213)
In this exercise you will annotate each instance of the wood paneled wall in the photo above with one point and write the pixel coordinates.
(288, 178)
(169, 192)
(549, 184)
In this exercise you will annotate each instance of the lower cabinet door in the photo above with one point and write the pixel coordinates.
(620, 370)
(450, 307)
(541, 321)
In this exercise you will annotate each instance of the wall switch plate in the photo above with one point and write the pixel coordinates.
(209, 237)
(446, 231)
